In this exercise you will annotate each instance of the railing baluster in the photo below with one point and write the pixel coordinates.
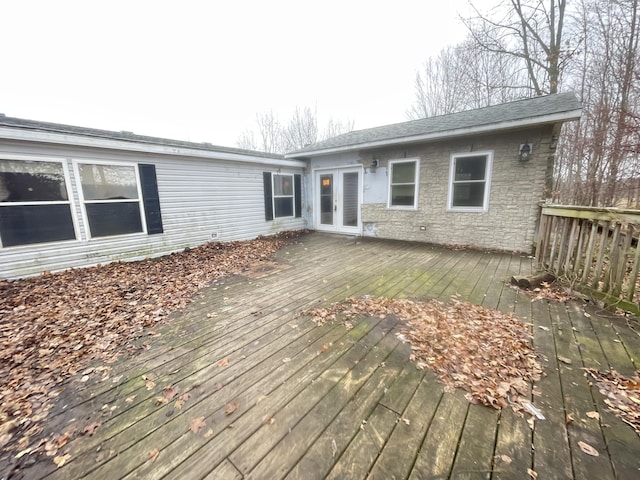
(597, 248)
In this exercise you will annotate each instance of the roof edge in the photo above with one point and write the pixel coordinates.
(569, 115)
(18, 133)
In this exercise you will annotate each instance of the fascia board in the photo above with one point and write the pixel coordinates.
(112, 144)
(493, 127)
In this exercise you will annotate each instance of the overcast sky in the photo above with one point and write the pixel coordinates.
(201, 70)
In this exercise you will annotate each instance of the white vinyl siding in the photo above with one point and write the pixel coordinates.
(201, 200)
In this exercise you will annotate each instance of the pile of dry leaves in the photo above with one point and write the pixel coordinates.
(486, 352)
(622, 395)
(53, 325)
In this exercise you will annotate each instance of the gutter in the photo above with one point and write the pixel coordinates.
(494, 127)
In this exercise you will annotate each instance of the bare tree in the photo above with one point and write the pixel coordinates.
(598, 160)
(530, 31)
(247, 140)
(334, 127)
(463, 77)
(299, 131)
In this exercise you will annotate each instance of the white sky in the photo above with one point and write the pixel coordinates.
(201, 70)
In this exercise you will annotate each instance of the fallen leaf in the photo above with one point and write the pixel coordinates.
(594, 415)
(224, 362)
(209, 433)
(196, 424)
(486, 352)
(153, 455)
(60, 323)
(588, 449)
(506, 459)
(565, 360)
(231, 407)
(406, 421)
(286, 360)
(169, 392)
(182, 400)
(91, 428)
(60, 461)
(532, 473)
(325, 347)
(260, 398)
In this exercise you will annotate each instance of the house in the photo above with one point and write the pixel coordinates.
(75, 197)
(474, 178)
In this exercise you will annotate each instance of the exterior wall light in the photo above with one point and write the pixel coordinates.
(525, 152)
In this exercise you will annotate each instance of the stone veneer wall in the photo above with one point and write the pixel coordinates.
(516, 190)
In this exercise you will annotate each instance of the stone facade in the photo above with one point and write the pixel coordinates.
(516, 189)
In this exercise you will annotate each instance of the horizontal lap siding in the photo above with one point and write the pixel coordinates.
(200, 200)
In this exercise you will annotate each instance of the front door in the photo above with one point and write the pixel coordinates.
(338, 196)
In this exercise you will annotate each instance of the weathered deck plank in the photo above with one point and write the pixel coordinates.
(552, 455)
(319, 459)
(475, 456)
(578, 401)
(327, 402)
(398, 456)
(623, 445)
(366, 446)
(436, 456)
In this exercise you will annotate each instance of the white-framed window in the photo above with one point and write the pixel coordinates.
(470, 181)
(403, 183)
(111, 198)
(283, 195)
(35, 205)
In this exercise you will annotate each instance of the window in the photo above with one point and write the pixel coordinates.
(282, 195)
(34, 203)
(111, 197)
(469, 181)
(403, 183)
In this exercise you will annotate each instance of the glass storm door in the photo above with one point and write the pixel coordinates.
(338, 200)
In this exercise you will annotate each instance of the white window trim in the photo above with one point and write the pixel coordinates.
(416, 186)
(83, 202)
(274, 196)
(486, 181)
(69, 201)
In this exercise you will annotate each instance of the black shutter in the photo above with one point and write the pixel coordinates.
(297, 185)
(268, 196)
(150, 198)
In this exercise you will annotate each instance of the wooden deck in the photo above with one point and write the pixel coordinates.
(274, 396)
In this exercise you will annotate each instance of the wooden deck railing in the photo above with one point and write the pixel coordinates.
(595, 249)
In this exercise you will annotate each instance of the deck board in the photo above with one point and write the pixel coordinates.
(319, 402)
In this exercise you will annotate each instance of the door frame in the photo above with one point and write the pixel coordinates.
(337, 172)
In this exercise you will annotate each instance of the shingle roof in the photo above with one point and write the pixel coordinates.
(533, 111)
(38, 126)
